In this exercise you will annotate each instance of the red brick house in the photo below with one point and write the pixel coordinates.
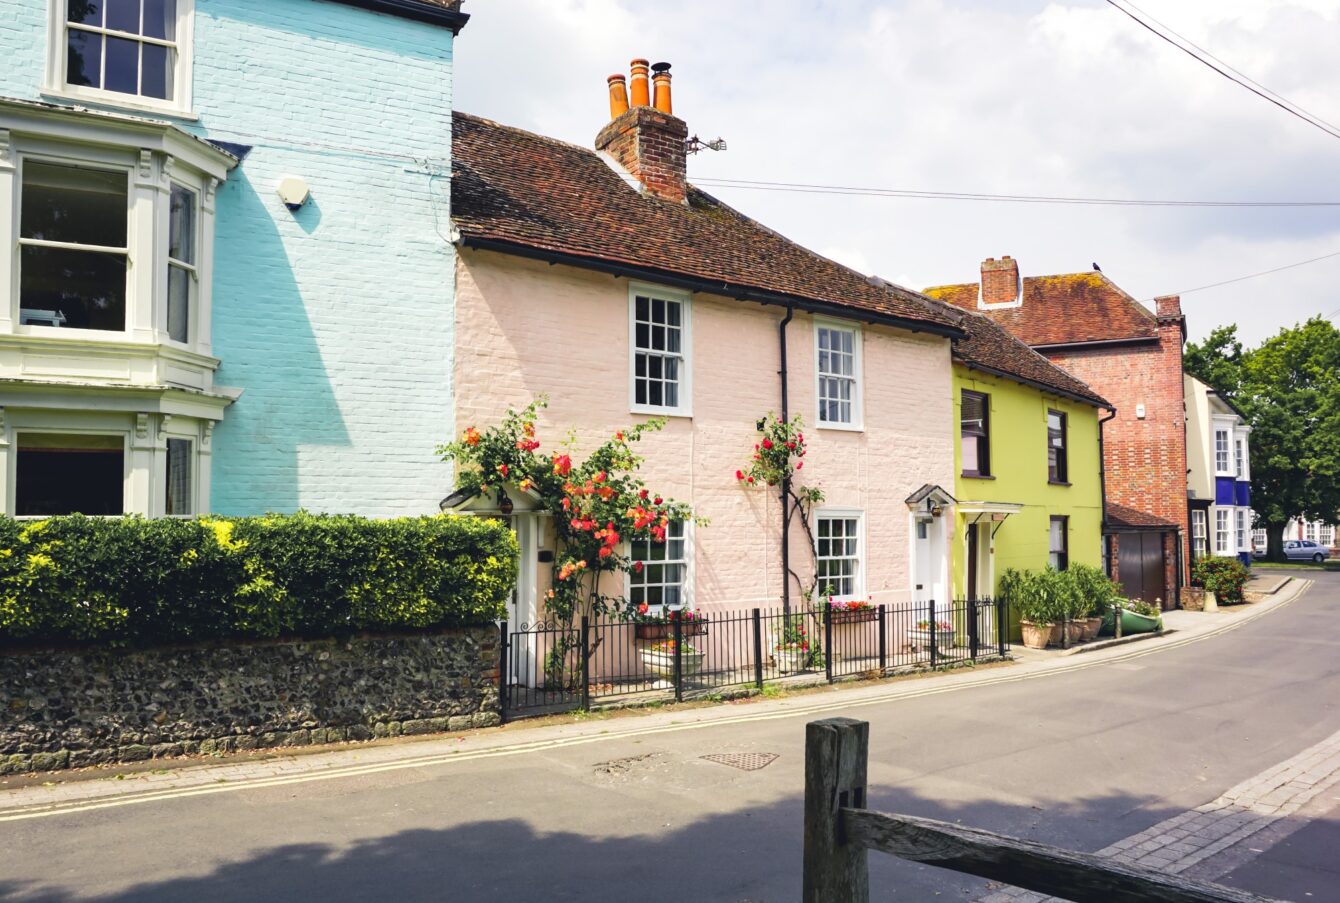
(1133, 357)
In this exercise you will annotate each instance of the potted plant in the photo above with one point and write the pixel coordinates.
(1097, 596)
(659, 659)
(919, 637)
(1040, 601)
(792, 650)
(660, 625)
(853, 611)
(1136, 617)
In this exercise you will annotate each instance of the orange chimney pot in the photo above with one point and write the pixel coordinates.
(618, 96)
(641, 89)
(661, 83)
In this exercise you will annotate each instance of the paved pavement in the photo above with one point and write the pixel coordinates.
(1082, 752)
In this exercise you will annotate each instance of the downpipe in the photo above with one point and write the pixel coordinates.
(786, 478)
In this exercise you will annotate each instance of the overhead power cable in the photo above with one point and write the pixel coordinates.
(1287, 266)
(1205, 58)
(865, 191)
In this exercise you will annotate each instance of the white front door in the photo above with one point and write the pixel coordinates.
(522, 609)
(928, 561)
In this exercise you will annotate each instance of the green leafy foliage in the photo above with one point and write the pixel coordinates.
(1289, 390)
(131, 581)
(1048, 596)
(1225, 577)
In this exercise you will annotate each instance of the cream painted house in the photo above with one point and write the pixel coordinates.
(605, 281)
(1218, 474)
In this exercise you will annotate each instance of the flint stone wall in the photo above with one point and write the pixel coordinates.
(68, 709)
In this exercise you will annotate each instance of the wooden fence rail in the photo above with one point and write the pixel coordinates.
(839, 830)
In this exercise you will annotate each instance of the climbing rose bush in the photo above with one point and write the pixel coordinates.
(600, 505)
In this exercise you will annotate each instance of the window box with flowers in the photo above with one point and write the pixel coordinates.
(853, 611)
(919, 637)
(659, 659)
(650, 624)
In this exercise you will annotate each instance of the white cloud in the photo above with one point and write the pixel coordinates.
(1067, 97)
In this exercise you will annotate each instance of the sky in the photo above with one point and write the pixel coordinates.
(998, 96)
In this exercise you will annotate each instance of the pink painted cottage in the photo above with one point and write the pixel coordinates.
(603, 279)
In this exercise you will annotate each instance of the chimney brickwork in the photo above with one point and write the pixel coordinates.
(1000, 280)
(649, 142)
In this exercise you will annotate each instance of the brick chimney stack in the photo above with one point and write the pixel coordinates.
(1000, 281)
(648, 141)
(1169, 311)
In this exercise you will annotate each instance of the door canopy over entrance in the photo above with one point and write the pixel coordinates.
(505, 501)
(930, 499)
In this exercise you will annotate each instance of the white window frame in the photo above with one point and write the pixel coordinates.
(686, 587)
(193, 471)
(1239, 458)
(150, 176)
(1310, 530)
(684, 299)
(858, 579)
(12, 477)
(1240, 533)
(1223, 452)
(856, 424)
(1200, 541)
(100, 162)
(1326, 535)
(179, 106)
(1260, 539)
(1223, 528)
(192, 270)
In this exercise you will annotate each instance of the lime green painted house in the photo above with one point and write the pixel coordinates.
(1028, 490)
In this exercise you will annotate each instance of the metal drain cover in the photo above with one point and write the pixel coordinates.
(742, 761)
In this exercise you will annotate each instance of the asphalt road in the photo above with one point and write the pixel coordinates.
(1079, 760)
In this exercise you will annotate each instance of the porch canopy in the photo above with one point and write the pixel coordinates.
(987, 512)
(503, 501)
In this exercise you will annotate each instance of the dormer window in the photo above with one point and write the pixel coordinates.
(121, 52)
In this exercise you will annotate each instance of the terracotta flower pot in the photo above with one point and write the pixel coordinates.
(1076, 630)
(1037, 636)
(1092, 626)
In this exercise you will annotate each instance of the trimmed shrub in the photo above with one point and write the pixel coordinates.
(1044, 597)
(1225, 577)
(132, 581)
(1097, 592)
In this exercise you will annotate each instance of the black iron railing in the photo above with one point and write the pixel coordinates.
(603, 661)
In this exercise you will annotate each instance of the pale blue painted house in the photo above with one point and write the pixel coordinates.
(231, 285)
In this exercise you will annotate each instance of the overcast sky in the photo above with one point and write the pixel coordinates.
(1067, 97)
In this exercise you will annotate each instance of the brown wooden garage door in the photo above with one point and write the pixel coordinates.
(1142, 568)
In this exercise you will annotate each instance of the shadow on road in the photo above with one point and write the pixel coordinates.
(746, 855)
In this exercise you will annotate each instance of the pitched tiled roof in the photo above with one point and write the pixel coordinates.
(990, 346)
(1120, 517)
(441, 12)
(517, 190)
(1065, 309)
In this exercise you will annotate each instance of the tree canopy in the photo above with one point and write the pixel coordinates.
(1289, 390)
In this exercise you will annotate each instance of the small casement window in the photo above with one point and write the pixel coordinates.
(1199, 529)
(1057, 465)
(123, 46)
(1221, 530)
(838, 551)
(1239, 458)
(660, 339)
(180, 461)
(1241, 532)
(1259, 539)
(837, 352)
(73, 225)
(663, 578)
(1310, 531)
(59, 473)
(1221, 451)
(1059, 543)
(1326, 535)
(974, 429)
(181, 272)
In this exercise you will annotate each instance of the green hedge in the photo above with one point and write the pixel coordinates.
(1225, 577)
(131, 581)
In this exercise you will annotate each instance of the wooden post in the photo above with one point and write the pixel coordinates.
(835, 763)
